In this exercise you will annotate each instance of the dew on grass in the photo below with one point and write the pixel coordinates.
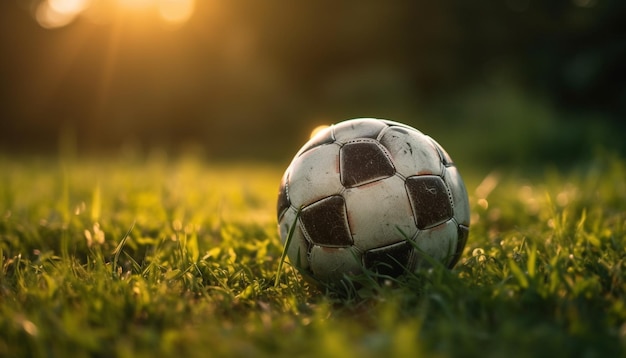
(479, 254)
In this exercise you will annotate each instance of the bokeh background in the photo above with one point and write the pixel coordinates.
(496, 82)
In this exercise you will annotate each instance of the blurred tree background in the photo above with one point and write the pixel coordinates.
(496, 82)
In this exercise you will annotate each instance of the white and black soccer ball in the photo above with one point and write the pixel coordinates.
(374, 194)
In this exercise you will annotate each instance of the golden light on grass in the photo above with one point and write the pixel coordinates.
(318, 129)
(176, 11)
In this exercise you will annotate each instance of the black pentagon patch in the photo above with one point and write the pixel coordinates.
(325, 222)
(429, 199)
(362, 162)
(460, 245)
(283, 197)
(392, 260)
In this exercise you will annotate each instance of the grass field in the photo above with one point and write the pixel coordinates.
(177, 257)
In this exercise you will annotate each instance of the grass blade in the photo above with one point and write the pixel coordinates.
(519, 275)
(292, 229)
(119, 248)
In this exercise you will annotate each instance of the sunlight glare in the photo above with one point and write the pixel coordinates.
(68, 6)
(136, 4)
(52, 14)
(318, 129)
(49, 18)
(176, 11)
(100, 12)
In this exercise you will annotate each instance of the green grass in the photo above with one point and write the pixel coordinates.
(154, 258)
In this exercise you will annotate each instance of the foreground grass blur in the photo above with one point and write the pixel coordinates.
(166, 257)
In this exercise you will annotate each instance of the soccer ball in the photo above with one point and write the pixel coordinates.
(371, 194)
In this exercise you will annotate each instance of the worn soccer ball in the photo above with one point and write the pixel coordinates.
(371, 194)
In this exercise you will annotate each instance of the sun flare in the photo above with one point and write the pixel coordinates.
(68, 6)
(50, 17)
(136, 4)
(176, 11)
(318, 129)
(52, 14)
